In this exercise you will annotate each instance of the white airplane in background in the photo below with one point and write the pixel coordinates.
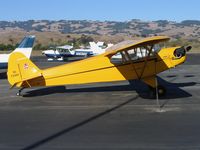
(58, 53)
(24, 47)
(62, 52)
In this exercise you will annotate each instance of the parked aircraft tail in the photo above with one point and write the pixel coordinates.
(26, 46)
(95, 47)
(21, 70)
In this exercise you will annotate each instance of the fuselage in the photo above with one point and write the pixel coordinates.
(102, 69)
(67, 53)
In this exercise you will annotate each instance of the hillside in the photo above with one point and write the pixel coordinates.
(59, 32)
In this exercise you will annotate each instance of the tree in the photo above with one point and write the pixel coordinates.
(2, 47)
(38, 46)
(11, 41)
(84, 39)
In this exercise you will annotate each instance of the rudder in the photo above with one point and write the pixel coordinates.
(21, 69)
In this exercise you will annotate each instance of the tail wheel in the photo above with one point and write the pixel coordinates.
(19, 93)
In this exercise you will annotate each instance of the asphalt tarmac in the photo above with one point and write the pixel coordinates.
(107, 116)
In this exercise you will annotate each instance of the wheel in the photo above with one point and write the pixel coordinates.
(18, 94)
(161, 91)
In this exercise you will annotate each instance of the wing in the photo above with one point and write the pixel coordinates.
(134, 44)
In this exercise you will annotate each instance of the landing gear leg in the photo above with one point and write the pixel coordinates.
(156, 90)
(19, 92)
(156, 93)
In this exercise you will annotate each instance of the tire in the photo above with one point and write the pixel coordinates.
(161, 91)
(18, 94)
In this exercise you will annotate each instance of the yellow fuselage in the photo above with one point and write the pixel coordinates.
(101, 69)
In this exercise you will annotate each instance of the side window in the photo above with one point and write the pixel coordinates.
(139, 53)
(119, 58)
(133, 54)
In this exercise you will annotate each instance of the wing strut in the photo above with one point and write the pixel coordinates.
(146, 60)
(132, 64)
(157, 96)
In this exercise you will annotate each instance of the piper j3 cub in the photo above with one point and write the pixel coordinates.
(140, 60)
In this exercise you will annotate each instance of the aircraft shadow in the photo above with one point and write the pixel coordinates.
(173, 89)
(138, 86)
(77, 125)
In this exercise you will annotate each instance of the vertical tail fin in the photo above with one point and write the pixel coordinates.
(95, 48)
(21, 69)
(26, 46)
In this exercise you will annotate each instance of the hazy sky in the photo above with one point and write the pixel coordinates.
(115, 10)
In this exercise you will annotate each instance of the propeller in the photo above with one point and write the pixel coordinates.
(188, 48)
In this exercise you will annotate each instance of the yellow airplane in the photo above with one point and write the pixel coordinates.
(128, 60)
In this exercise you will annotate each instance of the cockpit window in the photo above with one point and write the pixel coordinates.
(141, 52)
(117, 59)
(135, 54)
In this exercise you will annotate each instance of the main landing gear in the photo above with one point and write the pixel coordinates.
(19, 92)
(159, 91)
(156, 93)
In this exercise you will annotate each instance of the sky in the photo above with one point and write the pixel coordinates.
(110, 10)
